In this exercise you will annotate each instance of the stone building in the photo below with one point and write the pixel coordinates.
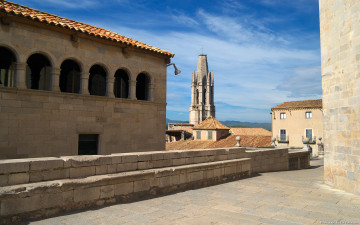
(340, 70)
(293, 121)
(69, 88)
(210, 129)
(202, 92)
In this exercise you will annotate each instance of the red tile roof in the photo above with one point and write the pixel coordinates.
(14, 9)
(210, 123)
(250, 131)
(300, 104)
(230, 141)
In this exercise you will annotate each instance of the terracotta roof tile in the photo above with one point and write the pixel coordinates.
(250, 131)
(230, 141)
(210, 123)
(300, 104)
(53, 20)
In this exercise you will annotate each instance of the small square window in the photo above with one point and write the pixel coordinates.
(210, 135)
(198, 134)
(282, 116)
(308, 115)
(88, 144)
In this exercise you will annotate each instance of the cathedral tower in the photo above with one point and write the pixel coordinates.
(202, 93)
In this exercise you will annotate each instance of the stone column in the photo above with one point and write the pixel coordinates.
(84, 84)
(132, 89)
(55, 76)
(20, 75)
(110, 87)
(151, 92)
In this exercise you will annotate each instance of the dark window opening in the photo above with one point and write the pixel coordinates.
(121, 85)
(7, 68)
(88, 144)
(38, 74)
(97, 81)
(197, 97)
(70, 77)
(142, 87)
(204, 97)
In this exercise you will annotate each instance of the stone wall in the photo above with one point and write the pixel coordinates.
(340, 69)
(36, 123)
(39, 187)
(45, 123)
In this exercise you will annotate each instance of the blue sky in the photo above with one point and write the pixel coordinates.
(262, 52)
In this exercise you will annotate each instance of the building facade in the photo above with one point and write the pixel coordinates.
(340, 70)
(296, 120)
(210, 130)
(202, 92)
(68, 88)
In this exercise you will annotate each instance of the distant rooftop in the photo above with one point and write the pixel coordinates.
(210, 123)
(250, 131)
(300, 104)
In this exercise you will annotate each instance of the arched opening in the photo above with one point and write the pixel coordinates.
(121, 84)
(204, 97)
(7, 68)
(142, 87)
(70, 77)
(197, 96)
(38, 72)
(97, 81)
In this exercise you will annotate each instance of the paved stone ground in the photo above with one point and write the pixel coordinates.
(290, 197)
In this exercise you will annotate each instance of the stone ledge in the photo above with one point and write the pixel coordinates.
(41, 199)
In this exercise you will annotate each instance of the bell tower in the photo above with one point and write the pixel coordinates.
(202, 92)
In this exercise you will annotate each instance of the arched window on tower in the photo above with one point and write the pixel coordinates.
(204, 97)
(121, 85)
(97, 80)
(7, 68)
(197, 96)
(70, 77)
(38, 72)
(142, 87)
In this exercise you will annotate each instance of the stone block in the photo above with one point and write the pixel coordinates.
(111, 168)
(184, 178)
(18, 178)
(165, 181)
(230, 170)
(141, 185)
(196, 176)
(87, 194)
(157, 155)
(116, 158)
(14, 166)
(246, 167)
(107, 191)
(144, 156)
(145, 165)
(20, 205)
(200, 159)
(174, 180)
(82, 171)
(172, 155)
(129, 158)
(162, 163)
(123, 167)
(221, 157)
(124, 188)
(209, 173)
(101, 169)
(4, 180)
(218, 172)
(177, 162)
(189, 161)
(45, 163)
(56, 174)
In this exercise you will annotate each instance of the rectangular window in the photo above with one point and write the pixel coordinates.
(88, 144)
(198, 135)
(308, 115)
(309, 134)
(210, 135)
(282, 116)
(282, 135)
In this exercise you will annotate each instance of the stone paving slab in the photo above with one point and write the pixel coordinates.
(289, 197)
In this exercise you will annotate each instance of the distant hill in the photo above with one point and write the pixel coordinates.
(231, 123)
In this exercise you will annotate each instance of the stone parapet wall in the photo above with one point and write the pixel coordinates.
(41, 187)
